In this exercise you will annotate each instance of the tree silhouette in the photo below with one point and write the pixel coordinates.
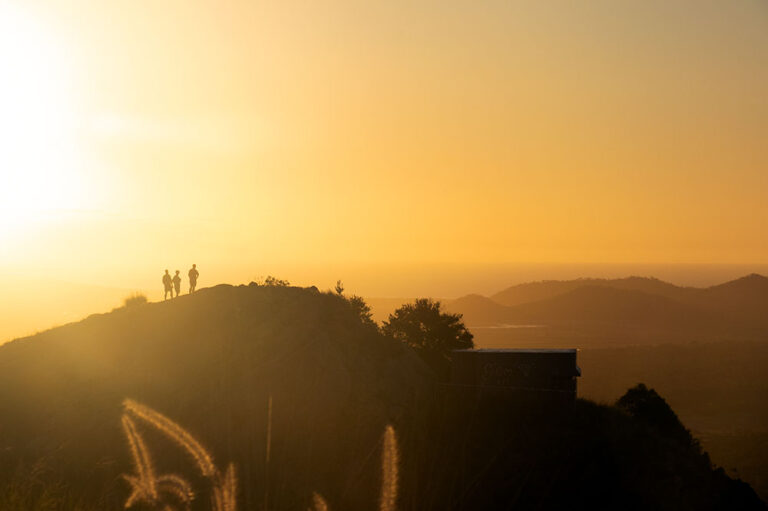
(362, 309)
(432, 333)
(647, 407)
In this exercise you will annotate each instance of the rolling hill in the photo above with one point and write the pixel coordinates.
(740, 306)
(603, 304)
(480, 310)
(745, 298)
(212, 361)
(298, 374)
(535, 291)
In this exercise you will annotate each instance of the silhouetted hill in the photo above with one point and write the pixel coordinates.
(610, 305)
(213, 360)
(43, 303)
(479, 310)
(589, 304)
(635, 455)
(738, 307)
(751, 287)
(718, 389)
(745, 298)
(210, 361)
(535, 291)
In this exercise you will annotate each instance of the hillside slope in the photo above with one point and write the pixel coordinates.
(736, 309)
(477, 310)
(592, 305)
(611, 305)
(745, 299)
(212, 361)
(535, 291)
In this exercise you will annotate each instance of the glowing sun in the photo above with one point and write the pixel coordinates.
(39, 169)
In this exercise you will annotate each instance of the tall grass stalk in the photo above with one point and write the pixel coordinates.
(143, 484)
(174, 485)
(390, 458)
(224, 485)
(389, 471)
(267, 455)
(146, 487)
(176, 433)
(319, 502)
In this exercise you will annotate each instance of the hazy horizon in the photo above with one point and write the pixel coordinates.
(31, 303)
(285, 136)
(410, 149)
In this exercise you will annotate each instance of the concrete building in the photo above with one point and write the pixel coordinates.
(541, 373)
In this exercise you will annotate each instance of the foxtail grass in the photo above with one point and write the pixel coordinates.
(146, 487)
(202, 458)
(390, 459)
(143, 484)
(319, 502)
(389, 471)
(268, 453)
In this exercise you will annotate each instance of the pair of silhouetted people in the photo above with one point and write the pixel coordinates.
(172, 284)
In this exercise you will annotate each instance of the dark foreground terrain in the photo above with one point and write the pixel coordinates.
(214, 360)
(704, 349)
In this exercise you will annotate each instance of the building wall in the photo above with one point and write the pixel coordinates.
(529, 371)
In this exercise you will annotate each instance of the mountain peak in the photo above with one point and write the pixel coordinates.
(755, 277)
(751, 281)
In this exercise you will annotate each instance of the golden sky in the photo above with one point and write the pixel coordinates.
(246, 135)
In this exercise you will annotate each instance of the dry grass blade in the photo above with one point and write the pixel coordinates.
(176, 433)
(229, 489)
(143, 485)
(268, 453)
(218, 499)
(319, 502)
(224, 491)
(174, 485)
(389, 471)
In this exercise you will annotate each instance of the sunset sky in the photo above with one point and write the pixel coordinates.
(250, 137)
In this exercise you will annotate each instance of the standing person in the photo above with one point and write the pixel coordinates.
(193, 274)
(167, 284)
(177, 283)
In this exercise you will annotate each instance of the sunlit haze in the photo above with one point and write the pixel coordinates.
(360, 140)
(399, 254)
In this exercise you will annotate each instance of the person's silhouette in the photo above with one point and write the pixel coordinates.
(177, 283)
(193, 274)
(167, 282)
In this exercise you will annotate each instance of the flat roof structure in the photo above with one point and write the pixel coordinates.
(527, 371)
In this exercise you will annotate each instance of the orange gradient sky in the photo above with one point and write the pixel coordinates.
(254, 136)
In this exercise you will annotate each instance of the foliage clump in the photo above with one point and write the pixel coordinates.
(362, 310)
(648, 408)
(432, 333)
(134, 300)
(271, 281)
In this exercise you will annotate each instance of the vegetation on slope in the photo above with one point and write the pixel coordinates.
(216, 360)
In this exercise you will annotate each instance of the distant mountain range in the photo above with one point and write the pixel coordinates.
(649, 302)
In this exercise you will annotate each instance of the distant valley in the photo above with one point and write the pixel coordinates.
(611, 312)
(705, 349)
